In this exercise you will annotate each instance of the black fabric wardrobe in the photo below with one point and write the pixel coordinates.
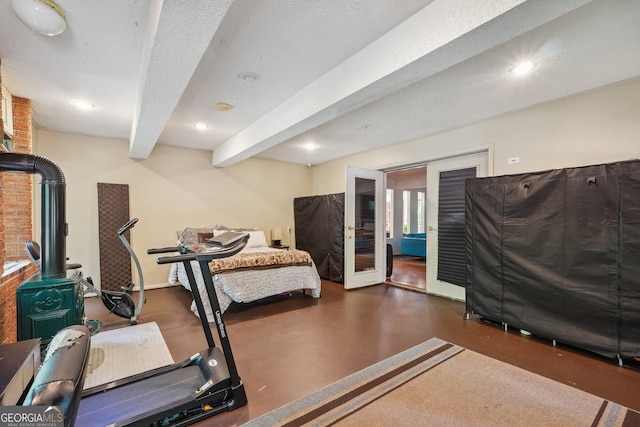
(557, 253)
(319, 222)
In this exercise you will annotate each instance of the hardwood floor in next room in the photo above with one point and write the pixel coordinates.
(409, 272)
(290, 346)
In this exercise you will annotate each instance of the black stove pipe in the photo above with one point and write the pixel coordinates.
(52, 198)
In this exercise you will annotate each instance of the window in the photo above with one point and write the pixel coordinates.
(406, 212)
(388, 225)
(421, 212)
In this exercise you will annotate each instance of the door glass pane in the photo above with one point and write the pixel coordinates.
(365, 233)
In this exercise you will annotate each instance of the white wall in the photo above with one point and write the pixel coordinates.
(172, 189)
(175, 187)
(600, 126)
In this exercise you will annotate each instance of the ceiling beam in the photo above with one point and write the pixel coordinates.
(178, 34)
(439, 36)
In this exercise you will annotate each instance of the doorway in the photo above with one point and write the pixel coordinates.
(414, 216)
(405, 226)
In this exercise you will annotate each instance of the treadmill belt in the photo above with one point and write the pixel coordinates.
(128, 402)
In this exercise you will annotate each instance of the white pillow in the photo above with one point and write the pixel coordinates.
(256, 238)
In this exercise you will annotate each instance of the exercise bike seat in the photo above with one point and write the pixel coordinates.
(33, 250)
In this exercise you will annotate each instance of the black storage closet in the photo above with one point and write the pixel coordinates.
(557, 253)
(319, 222)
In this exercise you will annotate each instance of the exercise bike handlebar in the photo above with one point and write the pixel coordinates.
(127, 226)
(207, 254)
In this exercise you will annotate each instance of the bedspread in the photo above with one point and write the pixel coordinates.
(245, 285)
(261, 261)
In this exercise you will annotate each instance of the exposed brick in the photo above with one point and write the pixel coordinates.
(2, 233)
(8, 315)
(16, 207)
(17, 202)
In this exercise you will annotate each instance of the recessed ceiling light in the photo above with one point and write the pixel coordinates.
(83, 105)
(248, 76)
(522, 68)
(223, 106)
(309, 146)
(201, 126)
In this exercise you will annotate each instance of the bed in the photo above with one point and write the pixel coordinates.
(257, 272)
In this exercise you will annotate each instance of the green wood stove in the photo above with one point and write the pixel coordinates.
(52, 299)
(47, 305)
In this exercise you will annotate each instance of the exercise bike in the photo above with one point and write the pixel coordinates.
(120, 302)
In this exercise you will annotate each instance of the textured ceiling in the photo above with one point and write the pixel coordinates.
(341, 77)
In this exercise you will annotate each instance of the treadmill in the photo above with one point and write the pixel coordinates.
(205, 384)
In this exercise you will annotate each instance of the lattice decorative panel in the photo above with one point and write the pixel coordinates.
(113, 213)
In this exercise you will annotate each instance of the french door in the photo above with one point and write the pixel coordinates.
(436, 170)
(364, 238)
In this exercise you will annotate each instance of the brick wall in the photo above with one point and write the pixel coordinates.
(1, 197)
(16, 212)
(17, 197)
(8, 315)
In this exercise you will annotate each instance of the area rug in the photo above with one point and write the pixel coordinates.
(123, 352)
(441, 384)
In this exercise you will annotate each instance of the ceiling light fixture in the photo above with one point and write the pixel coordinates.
(523, 68)
(42, 16)
(201, 126)
(248, 76)
(83, 105)
(223, 106)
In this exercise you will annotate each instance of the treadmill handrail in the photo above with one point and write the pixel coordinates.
(205, 255)
(164, 250)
